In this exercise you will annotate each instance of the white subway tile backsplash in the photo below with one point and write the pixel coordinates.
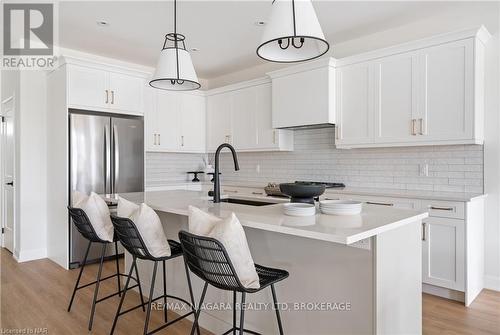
(457, 168)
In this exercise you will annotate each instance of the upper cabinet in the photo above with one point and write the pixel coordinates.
(431, 95)
(99, 90)
(241, 115)
(354, 90)
(447, 91)
(174, 121)
(301, 95)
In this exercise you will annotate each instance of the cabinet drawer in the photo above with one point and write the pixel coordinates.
(444, 209)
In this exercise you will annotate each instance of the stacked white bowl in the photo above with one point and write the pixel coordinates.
(340, 207)
(299, 209)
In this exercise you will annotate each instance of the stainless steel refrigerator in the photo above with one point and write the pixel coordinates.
(106, 157)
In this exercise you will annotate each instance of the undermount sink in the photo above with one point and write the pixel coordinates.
(247, 202)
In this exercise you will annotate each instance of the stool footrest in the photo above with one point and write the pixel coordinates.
(105, 278)
(158, 298)
(116, 293)
(170, 323)
(244, 330)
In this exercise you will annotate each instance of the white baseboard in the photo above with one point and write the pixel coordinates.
(30, 255)
(492, 283)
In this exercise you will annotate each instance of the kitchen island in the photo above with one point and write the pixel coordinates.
(348, 274)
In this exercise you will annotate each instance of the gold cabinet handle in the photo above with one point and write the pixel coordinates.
(421, 126)
(423, 231)
(231, 191)
(257, 193)
(112, 97)
(159, 139)
(107, 96)
(413, 123)
(154, 139)
(182, 141)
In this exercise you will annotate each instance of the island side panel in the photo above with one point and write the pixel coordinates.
(398, 280)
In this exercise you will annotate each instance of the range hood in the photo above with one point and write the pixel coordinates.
(303, 96)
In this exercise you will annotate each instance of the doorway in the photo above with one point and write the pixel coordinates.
(7, 168)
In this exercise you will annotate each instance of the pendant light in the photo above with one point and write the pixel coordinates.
(293, 33)
(175, 70)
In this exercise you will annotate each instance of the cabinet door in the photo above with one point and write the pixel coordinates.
(167, 109)
(87, 88)
(192, 115)
(395, 99)
(267, 137)
(446, 101)
(218, 120)
(244, 120)
(443, 252)
(354, 105)
(150, 119)
(125, 93)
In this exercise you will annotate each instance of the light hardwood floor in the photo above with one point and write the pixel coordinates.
(35, 295)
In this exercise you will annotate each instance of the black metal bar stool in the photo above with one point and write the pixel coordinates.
(208, 259)
(83, 225)
(129, 236)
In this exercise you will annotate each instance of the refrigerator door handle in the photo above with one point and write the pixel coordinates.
(107, 160)
(116, 158)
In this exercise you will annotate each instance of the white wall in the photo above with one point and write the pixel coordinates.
(29, 88)
(32, 157)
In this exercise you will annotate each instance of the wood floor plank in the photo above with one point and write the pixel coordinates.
(36, 294)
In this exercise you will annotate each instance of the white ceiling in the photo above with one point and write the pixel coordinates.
(224, 31)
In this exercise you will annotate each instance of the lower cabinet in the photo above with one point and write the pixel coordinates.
(452, 242)
(443, 252)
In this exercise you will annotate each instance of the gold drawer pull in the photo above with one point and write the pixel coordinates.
(257, 193)
(231, 191)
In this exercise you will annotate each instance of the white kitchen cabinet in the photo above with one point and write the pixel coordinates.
(395, 99)
(175, 122)
(193, 124)
(168, 121)
(447, 91)
(100, 90)
(125, 92)
(452, 242)
(301, 95)
(218, 120)
(443, 252)
(242, 116)
(354, 96)
(427, 92)
(87, 87)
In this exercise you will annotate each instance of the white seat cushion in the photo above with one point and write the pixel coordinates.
(148, 224)
(230, 233)
(98, 213)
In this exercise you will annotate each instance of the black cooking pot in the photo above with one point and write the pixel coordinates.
(303, 193)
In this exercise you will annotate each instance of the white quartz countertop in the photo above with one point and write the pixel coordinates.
(372, 221)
